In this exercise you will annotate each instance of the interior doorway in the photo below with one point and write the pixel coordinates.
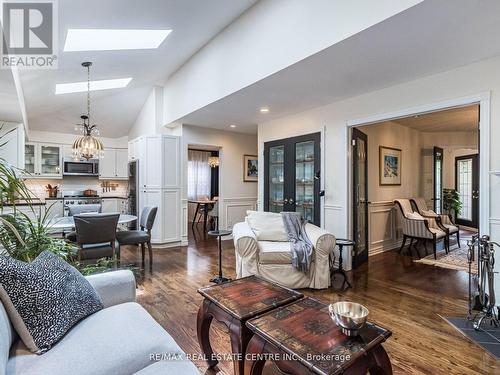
(412, 157)
(203, 178)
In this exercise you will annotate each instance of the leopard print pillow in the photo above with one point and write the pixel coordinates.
(45, 298)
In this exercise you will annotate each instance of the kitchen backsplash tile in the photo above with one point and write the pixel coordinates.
(37, 186)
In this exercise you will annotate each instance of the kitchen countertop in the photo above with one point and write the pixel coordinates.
(102, 197)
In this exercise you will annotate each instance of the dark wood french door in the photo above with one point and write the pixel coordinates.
(467, 185)
(292, 176)
(360, 196)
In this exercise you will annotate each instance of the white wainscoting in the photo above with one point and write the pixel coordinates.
(234, 210)
(184, 225)
(384, 229)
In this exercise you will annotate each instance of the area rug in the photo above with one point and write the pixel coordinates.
(488, 338)
(456, 259)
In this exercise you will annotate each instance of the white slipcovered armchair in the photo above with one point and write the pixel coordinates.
(262, 249)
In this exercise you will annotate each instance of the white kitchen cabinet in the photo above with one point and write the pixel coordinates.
(154, 159)
(159, 165)
(121, 163)
(110, 205)
(107, 164)
(171, 218)
(13, 140)
(153, 197)
(113, 164)
(43, 160)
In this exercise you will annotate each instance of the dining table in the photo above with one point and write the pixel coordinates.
(206, 204)
(68, 222)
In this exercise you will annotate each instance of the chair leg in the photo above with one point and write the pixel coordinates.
(434, 243)
(402, 244)
(143, 250)
(458, 238)
(409, 247)
(150, 251)
(118, 251)
(447, 244)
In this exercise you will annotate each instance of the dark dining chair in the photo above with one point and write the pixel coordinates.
(78, 209)
(142, 236)
(96, 235)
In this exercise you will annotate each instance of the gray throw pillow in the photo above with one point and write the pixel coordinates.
(45, 298)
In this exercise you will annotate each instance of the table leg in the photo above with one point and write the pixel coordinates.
(203, 329)
(195, 213)
(254, 362)
(382, 361)
(240, 336)
(205, 217)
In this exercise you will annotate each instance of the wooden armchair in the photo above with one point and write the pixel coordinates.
(416, 227)
(444, 221)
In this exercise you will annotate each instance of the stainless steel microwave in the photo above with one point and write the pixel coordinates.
(74, 167)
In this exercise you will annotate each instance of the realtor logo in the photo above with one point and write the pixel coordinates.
(29, 37)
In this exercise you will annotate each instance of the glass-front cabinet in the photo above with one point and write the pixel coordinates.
(43, 160)
(292, 176)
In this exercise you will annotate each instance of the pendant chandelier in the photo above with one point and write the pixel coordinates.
(213, 161)
(87, 146)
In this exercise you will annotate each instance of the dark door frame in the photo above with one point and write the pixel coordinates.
(474, 223)
(359, 258)
(436, 150)
(289, 178)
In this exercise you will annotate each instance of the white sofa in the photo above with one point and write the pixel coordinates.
(262, 249)
(118, 340)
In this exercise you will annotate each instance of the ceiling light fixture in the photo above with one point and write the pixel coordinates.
(232, 126)
(264, 110)
(113, 39)
(104, 84)
(87, 146)
(213, 161)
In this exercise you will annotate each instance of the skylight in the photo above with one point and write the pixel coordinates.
(112, 39)
(105, 84)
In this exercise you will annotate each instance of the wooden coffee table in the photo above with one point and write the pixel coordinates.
(301, 338)
(232, 304)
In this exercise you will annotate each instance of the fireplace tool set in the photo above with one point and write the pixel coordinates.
(484, 300)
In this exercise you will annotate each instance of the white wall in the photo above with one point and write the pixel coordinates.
(390, 134)
(469, 80)
(150, 118)
(235, 195)
(270, 36)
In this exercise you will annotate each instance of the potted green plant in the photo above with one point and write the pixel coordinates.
(451, 202)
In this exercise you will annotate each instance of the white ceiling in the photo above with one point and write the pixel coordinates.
(431, 37)
(10, 110)
(462, 119)
(193, 24)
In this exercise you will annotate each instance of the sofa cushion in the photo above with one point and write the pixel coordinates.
(45, 298)
(267, 226)
(117, 340)
(184, 367)
(272, 252)
(7, 335)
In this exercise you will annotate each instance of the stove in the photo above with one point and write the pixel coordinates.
(72, 198)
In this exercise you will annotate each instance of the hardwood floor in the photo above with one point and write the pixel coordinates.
(407, 298)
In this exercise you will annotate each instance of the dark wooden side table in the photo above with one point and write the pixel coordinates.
(301, 338)
(232, 304)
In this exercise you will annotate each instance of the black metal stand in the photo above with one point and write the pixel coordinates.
(341, 242)
(219, 234)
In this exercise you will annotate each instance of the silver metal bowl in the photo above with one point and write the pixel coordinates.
(350, 316)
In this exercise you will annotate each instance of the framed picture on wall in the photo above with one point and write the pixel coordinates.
(389, 166)
(250, 168)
